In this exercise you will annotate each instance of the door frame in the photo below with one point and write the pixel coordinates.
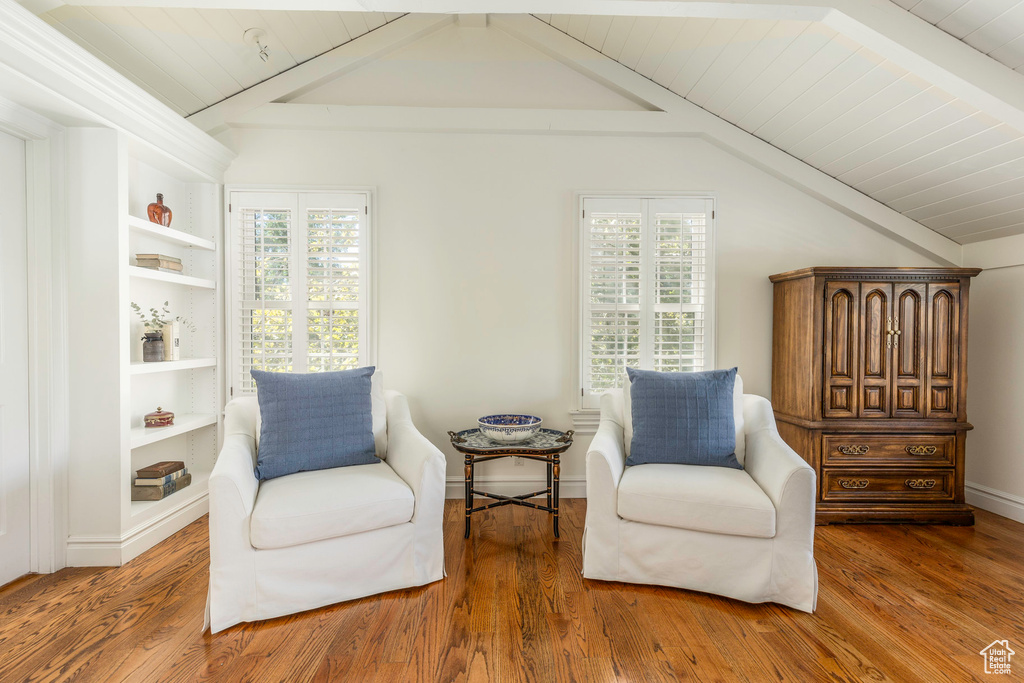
(48, 376)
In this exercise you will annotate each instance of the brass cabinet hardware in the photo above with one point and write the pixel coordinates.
(853, 449)
(922, 450)
(921, 483)
(854, 483)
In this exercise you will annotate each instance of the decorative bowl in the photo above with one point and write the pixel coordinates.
(509, 428)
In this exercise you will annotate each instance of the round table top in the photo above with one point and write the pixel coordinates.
(544, 441)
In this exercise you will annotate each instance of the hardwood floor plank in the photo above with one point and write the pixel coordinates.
(897, 603)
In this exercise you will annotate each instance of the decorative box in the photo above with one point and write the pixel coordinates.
(160, 418)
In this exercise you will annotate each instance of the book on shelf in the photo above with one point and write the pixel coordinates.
(160, 481)
(161, 492)
(159, 264)
(158, 257)
(172, 340)
(159, 469)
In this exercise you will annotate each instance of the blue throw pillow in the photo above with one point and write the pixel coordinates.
(685, 418)
(313, 422)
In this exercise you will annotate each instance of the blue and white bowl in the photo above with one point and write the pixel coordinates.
(509, 428)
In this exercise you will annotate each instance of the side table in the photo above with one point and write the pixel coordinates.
(546, 446)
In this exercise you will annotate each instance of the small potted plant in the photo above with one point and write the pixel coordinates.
(161, 327)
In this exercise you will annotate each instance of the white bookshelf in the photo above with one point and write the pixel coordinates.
(170, 235)
(117, 388)
(183, 424)
(143, 511)
(143, 368)
(171, 278)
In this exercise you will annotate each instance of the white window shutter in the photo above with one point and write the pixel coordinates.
(333, 274)
(299, 282)
(645, 290)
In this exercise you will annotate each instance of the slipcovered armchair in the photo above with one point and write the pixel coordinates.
(746, 534)
(311, 539)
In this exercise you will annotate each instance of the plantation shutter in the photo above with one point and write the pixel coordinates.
(645, 289)
(299, 283)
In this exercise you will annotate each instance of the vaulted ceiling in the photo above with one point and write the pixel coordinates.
(993, 27)
(895, 133)
(837, 106)
(190, 58)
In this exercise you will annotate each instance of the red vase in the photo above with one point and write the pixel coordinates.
(158, 213)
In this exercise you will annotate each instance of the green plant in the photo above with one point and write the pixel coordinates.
(156, 319)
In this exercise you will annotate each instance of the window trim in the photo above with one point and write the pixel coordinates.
(584, 418)
(228, 270)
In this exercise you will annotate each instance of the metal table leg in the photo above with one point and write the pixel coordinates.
(555, 467)
(469, 490)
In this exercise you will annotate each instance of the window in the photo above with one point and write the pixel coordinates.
(299, 283)
(646, 297)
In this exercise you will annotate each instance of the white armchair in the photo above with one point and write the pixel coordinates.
(745, 534)
(315, 538)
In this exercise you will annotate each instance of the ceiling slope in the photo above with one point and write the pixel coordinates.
(899, 106)
(836, 105)
(191, 58)
(993, 27)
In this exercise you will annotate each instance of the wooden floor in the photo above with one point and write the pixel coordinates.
(897, 603)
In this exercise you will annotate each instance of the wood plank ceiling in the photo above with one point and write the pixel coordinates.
(836, 105)
(192, 58)
(798, 85)
(993, 27)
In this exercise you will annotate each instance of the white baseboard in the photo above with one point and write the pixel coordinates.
(141, 538)
(113, 551)
(94, 551)
(993, 500)
(568, 487)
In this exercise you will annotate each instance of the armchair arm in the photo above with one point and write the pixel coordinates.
(606, 458)
(417, 461)
(233, 488)
(233, 483)
(782, 474)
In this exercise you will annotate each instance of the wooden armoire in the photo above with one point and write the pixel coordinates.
(869, 385)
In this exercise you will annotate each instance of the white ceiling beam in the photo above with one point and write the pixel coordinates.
(309, 75)
(718, 9)
(690, 117)
(461, 120)
(934, 55)
(1004, 252)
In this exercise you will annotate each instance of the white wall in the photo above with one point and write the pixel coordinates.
(995, 468)
(475, 256)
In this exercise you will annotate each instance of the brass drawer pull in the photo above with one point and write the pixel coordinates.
(921, 483)
(853, 450)
(921, 450)
(855, 483)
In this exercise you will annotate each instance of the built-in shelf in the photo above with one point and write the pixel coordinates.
(175, 278)
(142, 368)
(183, 424)
(145, 227)
(197, 489)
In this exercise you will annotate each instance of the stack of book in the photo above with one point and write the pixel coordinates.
(160, 480)
(159, 262)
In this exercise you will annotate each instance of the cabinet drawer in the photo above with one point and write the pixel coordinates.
(887, 485)
(888, 450)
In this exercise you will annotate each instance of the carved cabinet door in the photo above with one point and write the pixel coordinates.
(875, 367)
(841, 357)
(908, 337)
(943, 344)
